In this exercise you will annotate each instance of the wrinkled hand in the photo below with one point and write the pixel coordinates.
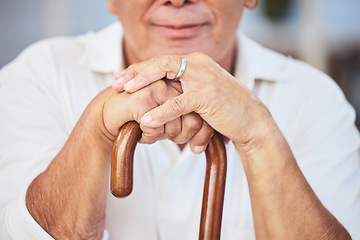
(209, 90)
(124, 107)
(274, 178)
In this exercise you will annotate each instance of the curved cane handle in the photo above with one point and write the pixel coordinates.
(122, 159)
(214, 184)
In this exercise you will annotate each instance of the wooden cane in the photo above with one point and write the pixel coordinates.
(214, 184)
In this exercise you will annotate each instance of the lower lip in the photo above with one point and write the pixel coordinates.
(186, 32)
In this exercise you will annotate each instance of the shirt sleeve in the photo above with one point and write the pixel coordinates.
(30, 115)
(327, 149)
(18, 223)
(36, 120)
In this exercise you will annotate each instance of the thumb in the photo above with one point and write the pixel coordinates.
(171, 109)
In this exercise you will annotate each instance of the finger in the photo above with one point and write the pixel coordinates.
(144, 78)
(118, 83)
(119, 74)
(171, 109)
(191, 123)
(151, 135)
(158, 68)
(201, 139)
(167, 131)
(127, 74)
(163, 90)
(172, 128)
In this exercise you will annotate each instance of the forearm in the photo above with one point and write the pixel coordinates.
(68, 198)
(284, 205)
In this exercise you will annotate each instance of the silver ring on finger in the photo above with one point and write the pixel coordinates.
(181, 70)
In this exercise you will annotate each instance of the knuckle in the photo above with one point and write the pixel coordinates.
(157, 132)
(200, 55)
(147, 140)
(162, 62)
(173, 131)
(165, 65)
(179, 139)
(202, 58)
(141, 103)
(166, 61)
(144, 98)
(161, 86)
(194, 122)
(203, 139)
(158, 135)
(131, 71)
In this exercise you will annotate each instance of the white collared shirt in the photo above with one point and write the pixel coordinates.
(44, 91)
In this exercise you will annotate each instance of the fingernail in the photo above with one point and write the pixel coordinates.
(146, 120)
(199, 149)
(128, 85)
(118, 81)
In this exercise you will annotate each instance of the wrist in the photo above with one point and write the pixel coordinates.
(93, 117)
(264, 143)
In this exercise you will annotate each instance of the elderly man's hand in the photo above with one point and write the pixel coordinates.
(209, 90)
(274, 178)
(80, 171)
(133, 106)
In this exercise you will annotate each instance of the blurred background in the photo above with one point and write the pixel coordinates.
(324, 33)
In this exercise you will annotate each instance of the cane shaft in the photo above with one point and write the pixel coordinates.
(214, 184)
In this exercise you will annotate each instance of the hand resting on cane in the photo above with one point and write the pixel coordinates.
(77, 206)
(275, 180)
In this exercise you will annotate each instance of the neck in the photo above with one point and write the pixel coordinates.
(229, 61)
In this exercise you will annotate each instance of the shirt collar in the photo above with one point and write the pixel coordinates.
(103, 50)
(103, 53)
(255, 63)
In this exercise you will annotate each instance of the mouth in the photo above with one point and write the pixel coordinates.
(179, 31)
